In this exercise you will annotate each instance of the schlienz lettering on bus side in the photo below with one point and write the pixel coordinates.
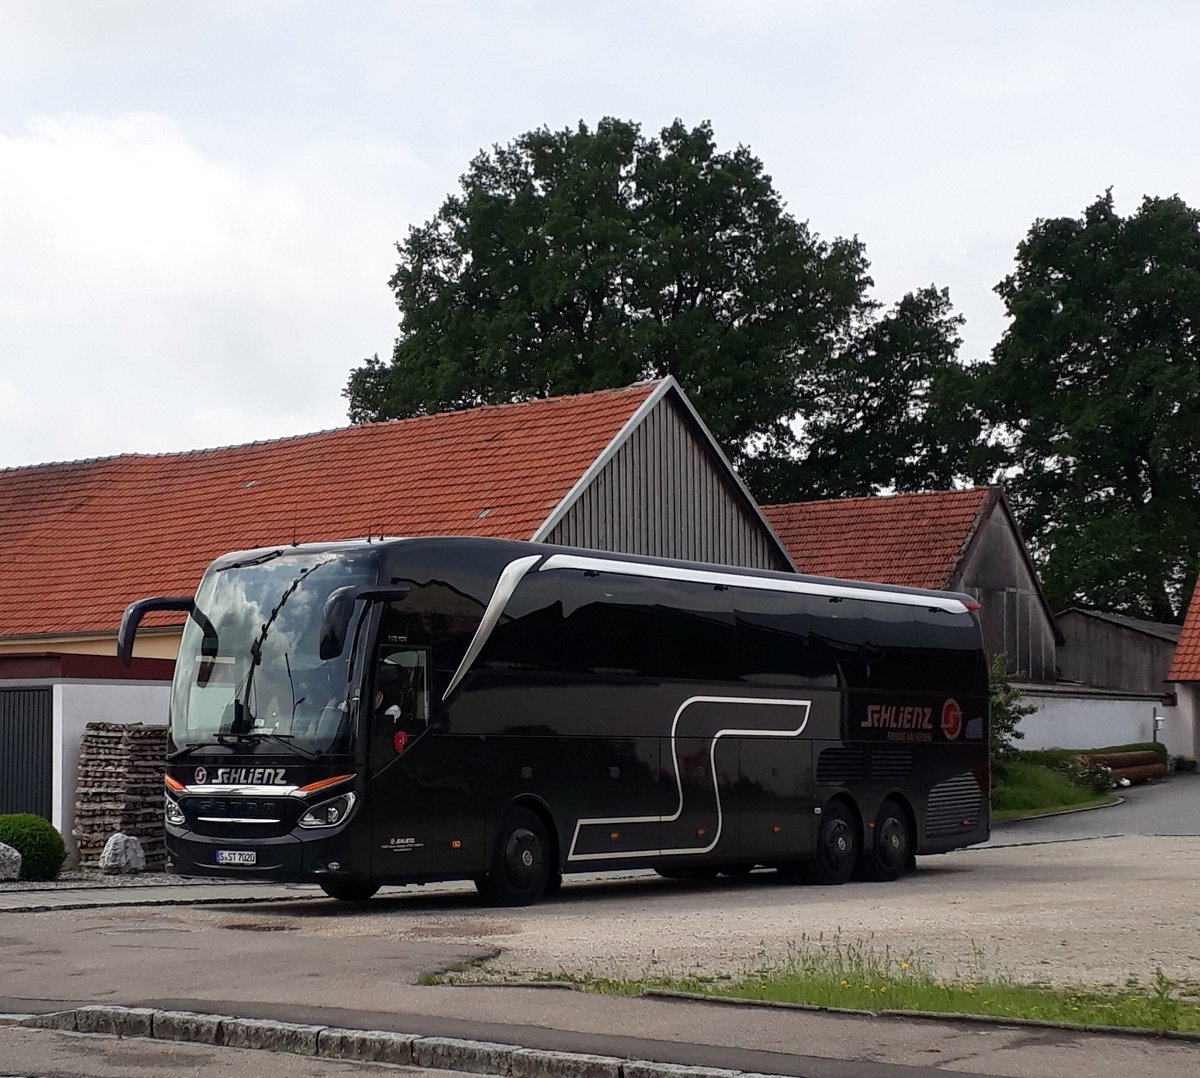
(898, 717)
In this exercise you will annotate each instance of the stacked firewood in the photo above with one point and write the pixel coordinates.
(120, 789)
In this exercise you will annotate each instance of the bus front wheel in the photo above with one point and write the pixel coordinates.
(837, 846)
(520, 869)
(348, 891)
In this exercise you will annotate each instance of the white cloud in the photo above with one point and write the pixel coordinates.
(156, 297)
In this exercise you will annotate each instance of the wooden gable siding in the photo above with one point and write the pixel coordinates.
(665, 494)
(1015, 621)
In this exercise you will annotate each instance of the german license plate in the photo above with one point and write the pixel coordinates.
(236, 857)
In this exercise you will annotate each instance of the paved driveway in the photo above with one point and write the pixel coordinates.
(1165, 808)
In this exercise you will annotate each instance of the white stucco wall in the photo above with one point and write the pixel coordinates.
(76, 703)
(1186, 717)
(1093, 720)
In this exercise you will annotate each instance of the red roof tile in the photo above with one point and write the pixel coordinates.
(1186, 664)
(81, 540)
(910, 539)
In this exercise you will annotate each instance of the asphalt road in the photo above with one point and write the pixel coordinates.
(1059, 891)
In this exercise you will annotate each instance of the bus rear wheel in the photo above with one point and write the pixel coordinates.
(348, 891)
(837, 847)
(891, 852)
(520, 869)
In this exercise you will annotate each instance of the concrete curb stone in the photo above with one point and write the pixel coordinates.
(330, 1042)
(187, 1026)
(53, 1020)
(368, 1046)
(452, 1054)
(117, 1021)
(273, 1036)
(642, 1069)
(538, 1063)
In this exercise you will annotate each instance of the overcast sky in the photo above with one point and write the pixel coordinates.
(199, 202)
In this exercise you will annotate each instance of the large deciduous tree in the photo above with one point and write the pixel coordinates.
(576, 260)
(1095, 390)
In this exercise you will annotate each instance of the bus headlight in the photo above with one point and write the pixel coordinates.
(328, 813)
(174, 813)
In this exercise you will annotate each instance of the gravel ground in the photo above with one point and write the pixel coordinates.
(1090, 911)
(76, 878)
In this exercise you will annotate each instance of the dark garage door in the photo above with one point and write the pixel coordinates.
(26, 765)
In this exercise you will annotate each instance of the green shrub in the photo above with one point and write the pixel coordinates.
(41, 847)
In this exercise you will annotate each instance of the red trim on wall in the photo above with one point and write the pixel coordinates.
(54, 665)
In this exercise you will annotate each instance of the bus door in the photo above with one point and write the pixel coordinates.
(417, 799)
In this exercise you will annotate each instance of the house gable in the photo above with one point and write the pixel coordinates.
(663, 488)
(1185, 666)
(958, 540)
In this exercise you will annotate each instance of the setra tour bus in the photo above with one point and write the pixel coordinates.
(384, 712)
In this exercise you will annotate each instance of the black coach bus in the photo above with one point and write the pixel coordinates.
(366, 713)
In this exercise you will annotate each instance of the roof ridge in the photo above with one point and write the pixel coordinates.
(876, 498)
(280, 439)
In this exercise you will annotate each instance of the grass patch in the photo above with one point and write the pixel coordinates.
(857, 977)
(1024, 787)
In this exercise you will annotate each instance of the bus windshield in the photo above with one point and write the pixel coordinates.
(249, 667)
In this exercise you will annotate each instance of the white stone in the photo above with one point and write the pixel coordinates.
(122, 854)
(10, 863)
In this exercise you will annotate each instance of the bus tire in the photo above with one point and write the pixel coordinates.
(837, 847)
(349, 890)
(521, 866)
(892, 851)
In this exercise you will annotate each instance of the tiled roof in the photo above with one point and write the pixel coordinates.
(78, 541)
(909, 539)
(1186, 664)
(1159, 629)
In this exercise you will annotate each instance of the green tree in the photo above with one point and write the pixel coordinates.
(576, 260)
(1094, 390)
(883, 412)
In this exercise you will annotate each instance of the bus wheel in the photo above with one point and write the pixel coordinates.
(348, 891)
(837, 846)
(520, 861)
(892, 852)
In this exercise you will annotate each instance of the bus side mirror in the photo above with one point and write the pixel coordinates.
(335, 615)
(133, 615)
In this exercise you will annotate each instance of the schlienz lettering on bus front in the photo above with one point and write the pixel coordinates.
(248, 776)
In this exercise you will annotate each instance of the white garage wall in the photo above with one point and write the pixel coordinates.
(76, 703)
(1094, 720)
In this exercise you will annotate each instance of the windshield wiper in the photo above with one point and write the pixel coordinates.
(187, 750)
(270, 555)
(268, 735)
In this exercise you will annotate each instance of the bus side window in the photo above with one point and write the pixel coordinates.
(608, 624)
(528, 635)
(779, 641)
(695, 631)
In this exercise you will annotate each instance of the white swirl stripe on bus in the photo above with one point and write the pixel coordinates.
(791, 729)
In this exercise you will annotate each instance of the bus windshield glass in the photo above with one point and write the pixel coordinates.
(249, 667)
